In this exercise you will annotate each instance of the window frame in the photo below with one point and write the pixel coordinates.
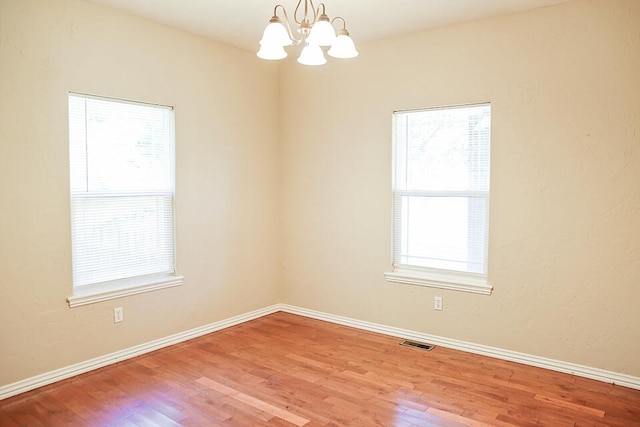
(430, 276)
(101, 291)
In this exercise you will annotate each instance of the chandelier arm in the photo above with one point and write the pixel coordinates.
(295, 41)
(344, 23)
(305, 16)
(295, 12)
(315, 12)
(324, 10)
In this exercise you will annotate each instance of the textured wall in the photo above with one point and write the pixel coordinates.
(565, 235)
(227, 178)
(565, 193)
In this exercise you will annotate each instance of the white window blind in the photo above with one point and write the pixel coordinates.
(441, 190)
(122, 190)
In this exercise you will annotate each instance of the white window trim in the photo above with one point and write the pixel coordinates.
(98, 292)
(90, 294)
(431, 277)
(442, 279)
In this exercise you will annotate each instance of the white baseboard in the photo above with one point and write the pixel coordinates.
(498, 353)
(527, 359)
(109, 359)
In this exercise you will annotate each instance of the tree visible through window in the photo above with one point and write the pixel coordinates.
(441, 191)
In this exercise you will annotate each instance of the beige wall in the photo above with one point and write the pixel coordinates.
(565, 193)
(227, 178)
(311, 175)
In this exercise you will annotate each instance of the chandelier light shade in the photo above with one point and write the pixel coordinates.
(343, 46)
(315, 29)
(275, 34)
(312, 55)
(272, 52)
(322, 32)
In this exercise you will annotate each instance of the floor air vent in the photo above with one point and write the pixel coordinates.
(421, 346)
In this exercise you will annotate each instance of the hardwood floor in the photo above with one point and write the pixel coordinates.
(287, 370)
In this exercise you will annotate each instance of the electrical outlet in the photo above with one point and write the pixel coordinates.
(118, 315)
(437, 303)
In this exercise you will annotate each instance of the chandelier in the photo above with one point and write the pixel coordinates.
(314, 30)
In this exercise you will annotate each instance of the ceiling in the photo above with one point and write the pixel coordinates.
(240, 22)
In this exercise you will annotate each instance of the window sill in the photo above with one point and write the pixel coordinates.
(441, 279)
(112, 290)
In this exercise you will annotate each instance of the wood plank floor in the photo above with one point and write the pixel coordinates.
(287, 370)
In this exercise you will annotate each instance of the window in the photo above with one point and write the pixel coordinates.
(441, 197)
(122, 198)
